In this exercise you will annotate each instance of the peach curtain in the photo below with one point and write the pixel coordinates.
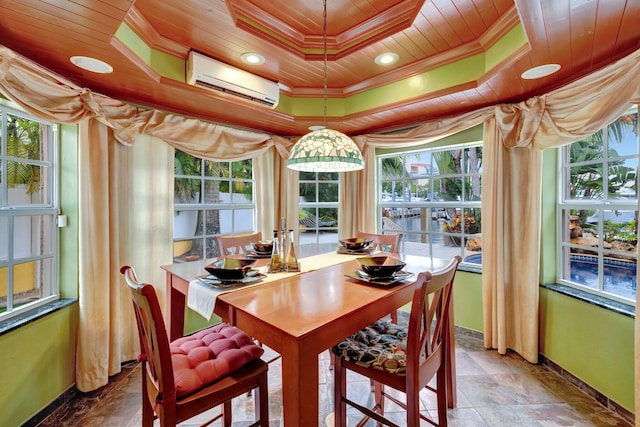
(512, 192)
(276, 193)
(352, 189)
(124, 218)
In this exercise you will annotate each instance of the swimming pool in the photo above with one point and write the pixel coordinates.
(619, 277)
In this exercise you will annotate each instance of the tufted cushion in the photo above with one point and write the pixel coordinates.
(210, 354)
(381, 345)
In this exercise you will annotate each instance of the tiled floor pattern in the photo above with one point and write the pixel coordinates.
(493, 390)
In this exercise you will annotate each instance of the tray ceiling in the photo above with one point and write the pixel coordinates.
(454, 55)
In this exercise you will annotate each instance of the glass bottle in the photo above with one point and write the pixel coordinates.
(290, 259)
(283, 239)
(276, 264)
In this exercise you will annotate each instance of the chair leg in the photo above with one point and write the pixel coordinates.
(147, 409)
(339, 391)
(226, 414)
(262, 401)
(378, 398)
(413, 407)
(442, 397)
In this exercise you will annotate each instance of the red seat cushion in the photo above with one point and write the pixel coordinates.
(210, 354)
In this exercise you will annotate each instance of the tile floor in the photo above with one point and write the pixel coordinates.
(493, 390)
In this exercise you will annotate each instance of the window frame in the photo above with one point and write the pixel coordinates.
(49, 210)
(429, 205)
(332, 230)
(201, 207)
(599, 205)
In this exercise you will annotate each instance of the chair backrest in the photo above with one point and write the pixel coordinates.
(154, 344)
(392, 240)
(240, 244)
(428, 332)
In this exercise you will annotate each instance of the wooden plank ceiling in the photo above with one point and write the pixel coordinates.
(580, 35)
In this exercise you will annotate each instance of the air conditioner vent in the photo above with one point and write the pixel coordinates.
(215, 75)
(266, 101)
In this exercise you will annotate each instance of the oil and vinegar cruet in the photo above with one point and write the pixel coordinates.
(277, 259)
(290, 259)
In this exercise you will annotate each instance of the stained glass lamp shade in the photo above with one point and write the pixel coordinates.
(325, 150)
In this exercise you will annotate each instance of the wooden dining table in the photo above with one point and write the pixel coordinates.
(300, 316)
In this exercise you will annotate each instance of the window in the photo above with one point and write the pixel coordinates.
(598, 209)
(210, 199)
(433, 198)
(318, 207)
(28, 213)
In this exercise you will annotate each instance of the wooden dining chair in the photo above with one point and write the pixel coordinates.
(381, 240)
(403, 358)
(195, 373)
(230, 245)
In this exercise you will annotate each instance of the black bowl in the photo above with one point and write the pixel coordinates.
(263, 246)
(229, 268)
(355, 243)
(380, 265)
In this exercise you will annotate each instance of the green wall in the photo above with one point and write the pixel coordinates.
(590, 342)
(37, 364)
(467, 300)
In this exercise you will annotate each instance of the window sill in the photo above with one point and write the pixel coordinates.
(470, 267)
(618, 307)
(32, 315)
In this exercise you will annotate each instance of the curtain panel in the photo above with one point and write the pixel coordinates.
(514, 136)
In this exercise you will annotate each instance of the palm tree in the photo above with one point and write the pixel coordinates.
(392, 168)
(587, 178)
(23, 142)
(190, 188)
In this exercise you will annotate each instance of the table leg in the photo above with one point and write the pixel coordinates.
(299, 388)
(175, 309)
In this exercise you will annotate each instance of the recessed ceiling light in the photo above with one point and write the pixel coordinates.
(91, 64)
(316, 127)
(252, 58)
(540, 71)
(386, 58)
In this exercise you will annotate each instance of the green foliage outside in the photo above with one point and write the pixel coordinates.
(200, 181)
(587, 177)
(622, 232)
(23, 142)
(325, 190)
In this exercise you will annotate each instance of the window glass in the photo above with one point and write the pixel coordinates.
(210, 199)
(318, 208)
(28, 213)
(598, 211)
(432, 197)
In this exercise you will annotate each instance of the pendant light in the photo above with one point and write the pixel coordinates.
(323, 149)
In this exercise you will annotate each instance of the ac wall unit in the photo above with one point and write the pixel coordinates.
(215, 75)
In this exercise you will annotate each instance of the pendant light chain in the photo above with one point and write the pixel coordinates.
(324, 149)
(324, 31)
